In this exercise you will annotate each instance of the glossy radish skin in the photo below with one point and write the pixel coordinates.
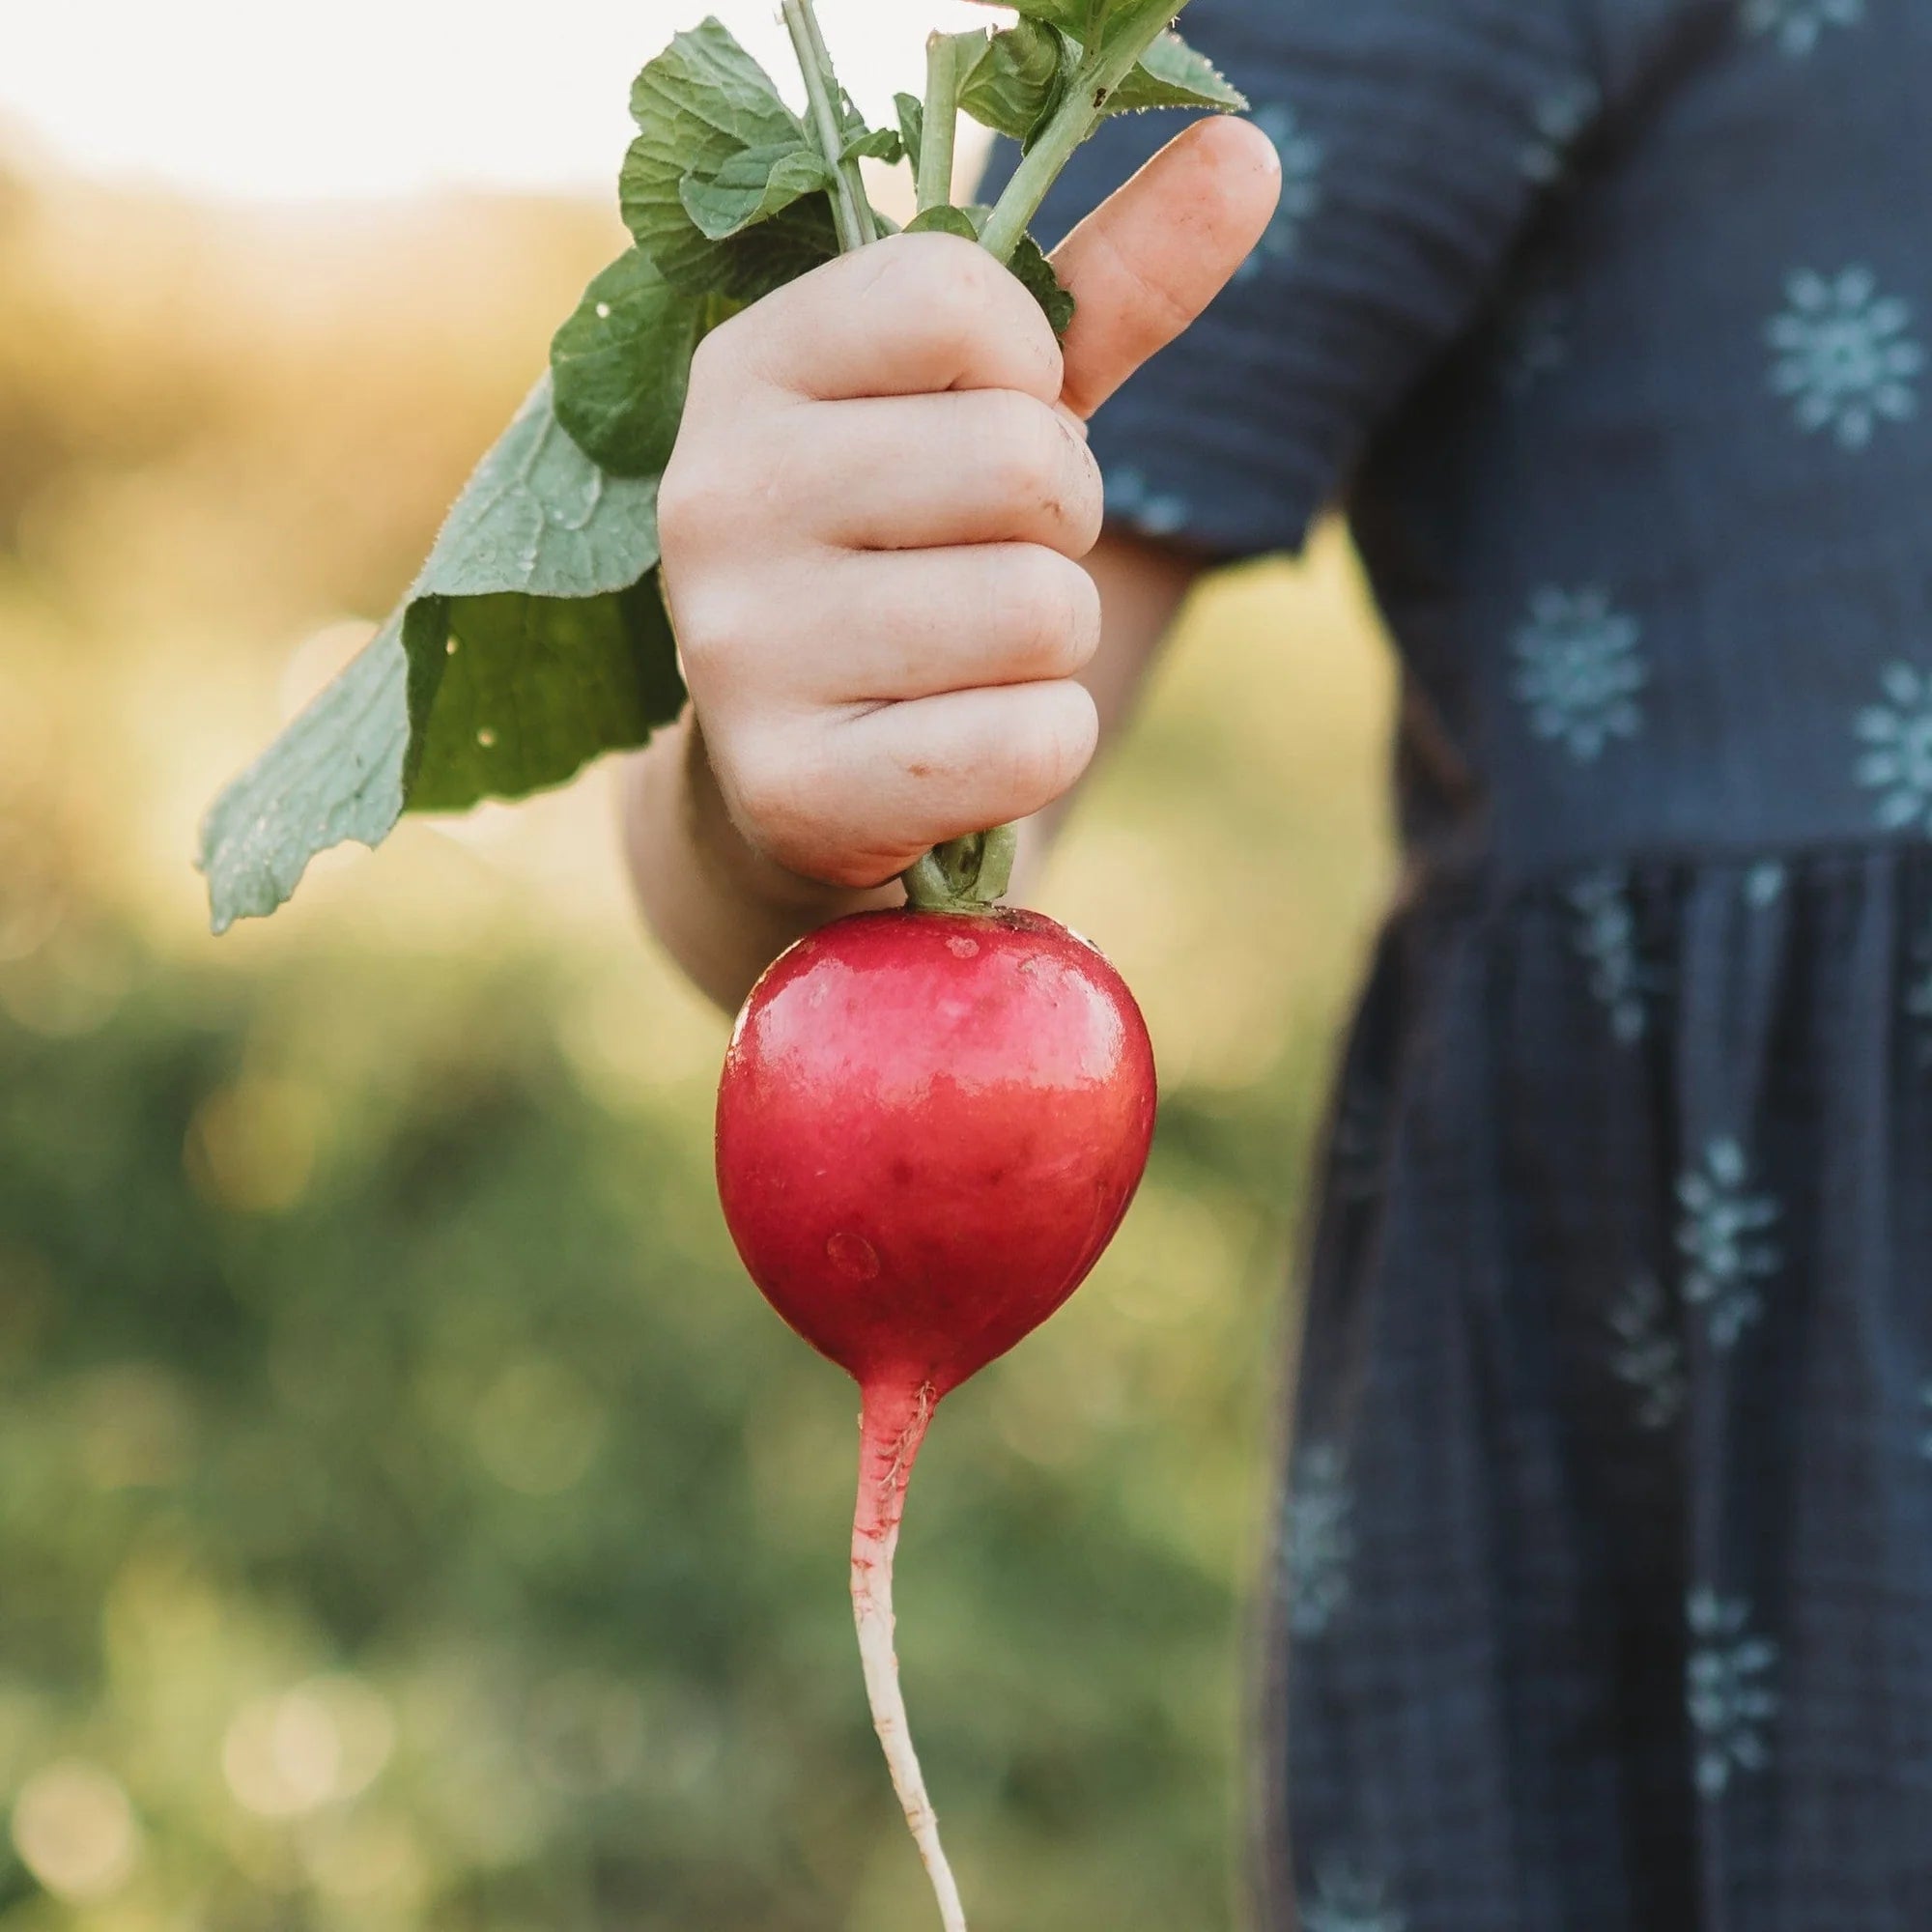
(929, 1127)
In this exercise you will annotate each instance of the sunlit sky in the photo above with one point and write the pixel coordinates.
(329, 98)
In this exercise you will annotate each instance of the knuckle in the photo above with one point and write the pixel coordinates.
(785, 794)
(1047, 613)
(1052, 746)
(1023, 449)
(711, 361)
(946, 265)
(713, 622)
(690, 500)
(958, 302)
(1087, 494)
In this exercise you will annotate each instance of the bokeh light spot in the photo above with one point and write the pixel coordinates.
(75, 1831)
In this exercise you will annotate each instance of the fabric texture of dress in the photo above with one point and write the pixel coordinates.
(1606, 1581)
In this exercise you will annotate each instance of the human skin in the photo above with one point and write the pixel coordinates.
(882, 558)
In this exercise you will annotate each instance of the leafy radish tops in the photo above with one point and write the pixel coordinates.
(534, 638)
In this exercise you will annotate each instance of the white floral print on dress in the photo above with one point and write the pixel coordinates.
(1843, 354)
(1580, 671)
(1606, 937)
(1133, 500)
(1650, 1353)
(1301, 161)
(1724, 1239)
(1897, 762)
(1319, 1544)
(1798, 25)
(1729, 1700)
(1348, 1900)
(1533, 335)
(1560, 118)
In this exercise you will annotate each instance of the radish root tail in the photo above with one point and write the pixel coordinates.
(892, 1429)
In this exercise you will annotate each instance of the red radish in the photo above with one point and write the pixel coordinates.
(929, 1127)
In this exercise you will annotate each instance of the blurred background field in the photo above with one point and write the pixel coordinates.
(408, 1515)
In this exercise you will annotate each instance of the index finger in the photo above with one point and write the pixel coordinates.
(1145, 263)
(911, 315)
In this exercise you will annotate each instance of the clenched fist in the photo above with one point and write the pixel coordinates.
(874, 515)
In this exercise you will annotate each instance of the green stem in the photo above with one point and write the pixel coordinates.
(1129, 36)
(967, 875)
(939, 122)
(851, 209)
(1016, 206)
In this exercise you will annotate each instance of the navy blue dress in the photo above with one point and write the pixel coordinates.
(1606, 1587)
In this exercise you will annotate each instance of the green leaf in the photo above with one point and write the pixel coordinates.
(1035, 271)
(334, 774)
(1029, 265)
(698, 105)
(943, 220)
(1172, 74)
(536, 687)
(1118, 28)
(476, 648)
(912, 125)
(1070, 17)
(1017, 82)
(752, 185)
(620, 366)
(1093, 22)
(880, 143)
(538, 516)
(877, 144)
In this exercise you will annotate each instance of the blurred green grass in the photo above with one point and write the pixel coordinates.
(411, 1518)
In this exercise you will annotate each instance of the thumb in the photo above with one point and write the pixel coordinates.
(1151, 257)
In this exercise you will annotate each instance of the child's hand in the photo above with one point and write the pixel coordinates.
(872, 519)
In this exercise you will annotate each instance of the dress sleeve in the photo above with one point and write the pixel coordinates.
(1417, 137)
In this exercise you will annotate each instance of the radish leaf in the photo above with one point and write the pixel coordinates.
(874, 144)
(1029, 261)
(480, 684)
(1076, 18)
(335, 774)
(536, 687)
(751, 186)
(1097, 22)
(621, 362)
(535, 637)
(1017, 82)
(702, 106)
(539, 517)
(912, 125)
(1172, 74)
(942, 220)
